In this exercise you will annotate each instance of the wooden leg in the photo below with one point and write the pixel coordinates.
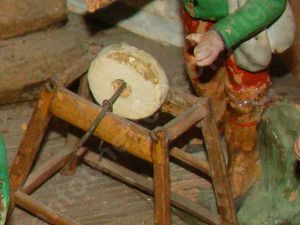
(218, 171)
(161, 181)
(30, 143)
(70, 168)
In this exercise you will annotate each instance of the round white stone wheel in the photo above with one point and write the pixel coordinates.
(147, 83)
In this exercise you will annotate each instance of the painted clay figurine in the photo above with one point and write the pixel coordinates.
(245, 33)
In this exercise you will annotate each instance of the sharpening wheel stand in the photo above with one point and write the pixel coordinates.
(146, 92)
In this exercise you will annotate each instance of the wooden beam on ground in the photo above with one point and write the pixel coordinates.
(41, 211)
(78, 69)
(28, 61)
(146, 185)
(44, 172)
(190, 160)
(20, 17)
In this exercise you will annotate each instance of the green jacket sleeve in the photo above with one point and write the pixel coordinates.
(206, 9)
(250, 19)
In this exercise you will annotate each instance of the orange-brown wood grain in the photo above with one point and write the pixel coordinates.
(29, 146)
(161, 180)
(113, 129)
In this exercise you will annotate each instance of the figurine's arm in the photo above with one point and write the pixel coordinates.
(250, 19)
(206, 9)
(231, 30)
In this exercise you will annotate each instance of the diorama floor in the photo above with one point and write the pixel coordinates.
(90, 197)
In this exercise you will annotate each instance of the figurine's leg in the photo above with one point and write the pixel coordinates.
(209, 81)
(245, 92)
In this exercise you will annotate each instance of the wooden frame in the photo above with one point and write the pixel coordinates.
(150, 145)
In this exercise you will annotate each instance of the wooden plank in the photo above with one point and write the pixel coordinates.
(28, 61)
(178, 102)
(115, 130)
(161, 180)
(77, 69)
(48, 169)
(190, 160)
(218, 171)
(70, 74)
(30, 143)
(20, 17)
(146, 185)
(41, 211)
(185, 121)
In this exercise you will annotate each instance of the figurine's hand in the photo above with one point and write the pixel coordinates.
(208, 46)
(93, 5)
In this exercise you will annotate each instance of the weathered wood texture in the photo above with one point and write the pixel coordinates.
(43, 212)
(161, 181)
(48, 169)
(20, 17)
(72, 140)
(146, 184)
(90, 198)
(26, 62)
(36, 128)
(190, 160)
(218, 171)
(31, 142)
(112, 129)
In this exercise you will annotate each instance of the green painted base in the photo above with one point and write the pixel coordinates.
(4, 183)
(276, 198)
